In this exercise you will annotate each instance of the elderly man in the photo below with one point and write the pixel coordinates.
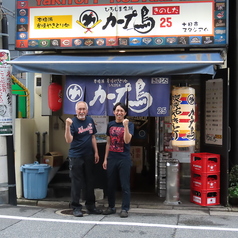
(83, 154)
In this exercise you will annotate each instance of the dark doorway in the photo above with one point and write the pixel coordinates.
(143, 154)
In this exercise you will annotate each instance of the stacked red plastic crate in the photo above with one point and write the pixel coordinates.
(205, 179)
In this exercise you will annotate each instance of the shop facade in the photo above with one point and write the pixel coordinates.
(136, 52)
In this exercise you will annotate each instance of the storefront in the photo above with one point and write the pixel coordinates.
(165, 45)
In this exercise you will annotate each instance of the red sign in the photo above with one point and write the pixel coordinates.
(167, 10)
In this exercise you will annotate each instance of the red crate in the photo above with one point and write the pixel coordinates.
(205, 162)
(205, 181)
(205, 197)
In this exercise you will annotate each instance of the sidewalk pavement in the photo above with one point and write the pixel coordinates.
(146, 203)
(150, 221)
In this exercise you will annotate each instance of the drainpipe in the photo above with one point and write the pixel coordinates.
(43, 142)
(11, 171)
(4, 31)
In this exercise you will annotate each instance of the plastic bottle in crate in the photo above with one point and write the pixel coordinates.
(205, 162)
(212, 198)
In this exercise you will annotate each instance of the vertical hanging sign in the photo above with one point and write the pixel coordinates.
(214, 112)
(5, 94)
(183, 117)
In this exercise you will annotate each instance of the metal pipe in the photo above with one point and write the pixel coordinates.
(38, 156)
(15, 80)
(43, 142)
(4, 32)
(115, 62)
(11, 171)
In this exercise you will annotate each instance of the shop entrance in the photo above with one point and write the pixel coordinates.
(152, 137)
(143, 154)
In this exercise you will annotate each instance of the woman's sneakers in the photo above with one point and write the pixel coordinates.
(95, 211)
(123, 214)
(109, 211)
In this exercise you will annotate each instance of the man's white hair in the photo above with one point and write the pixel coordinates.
(81, 102)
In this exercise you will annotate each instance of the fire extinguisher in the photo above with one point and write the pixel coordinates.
(55, 96)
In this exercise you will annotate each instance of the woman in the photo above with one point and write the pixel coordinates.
(117, 160)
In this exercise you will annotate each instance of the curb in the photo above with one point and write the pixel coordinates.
(141, 208)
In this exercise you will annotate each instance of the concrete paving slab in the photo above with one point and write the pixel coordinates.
(223, 213)
(171, 211)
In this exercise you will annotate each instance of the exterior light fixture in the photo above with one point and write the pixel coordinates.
(183, 117)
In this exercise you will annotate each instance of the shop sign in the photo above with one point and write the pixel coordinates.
(5, 94)
(145, 96)
(56, 24)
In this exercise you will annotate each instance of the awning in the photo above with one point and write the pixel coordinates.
(130, 65)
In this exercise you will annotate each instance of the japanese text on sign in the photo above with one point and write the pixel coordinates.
(183, 116)
(129, 20)
(53, 22)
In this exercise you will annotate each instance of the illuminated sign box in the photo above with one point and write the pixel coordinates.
(52, 24)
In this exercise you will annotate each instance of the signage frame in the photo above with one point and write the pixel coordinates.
(137, 24)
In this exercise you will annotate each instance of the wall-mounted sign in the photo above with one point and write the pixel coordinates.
(144, 96)
(51, 24)
(214, 111)
(5, 94)
(101, 125)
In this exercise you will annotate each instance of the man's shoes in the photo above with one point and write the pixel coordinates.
(109, 211)
(77, 212)
(123, 214)
(95, 211)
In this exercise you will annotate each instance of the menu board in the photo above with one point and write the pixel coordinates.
(214, 112)
(101, 126)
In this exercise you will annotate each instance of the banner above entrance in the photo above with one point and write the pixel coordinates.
(130, 65)
(144, 96)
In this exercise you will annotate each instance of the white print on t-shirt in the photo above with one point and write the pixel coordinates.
(89, 128)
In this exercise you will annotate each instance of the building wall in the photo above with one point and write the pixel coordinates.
(57, 129)
(24, 144)
(48, 122)
(9, 7)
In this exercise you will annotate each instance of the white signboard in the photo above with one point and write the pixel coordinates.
(101, 125)
(214, 112)
(5, 94)
(133, 20)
